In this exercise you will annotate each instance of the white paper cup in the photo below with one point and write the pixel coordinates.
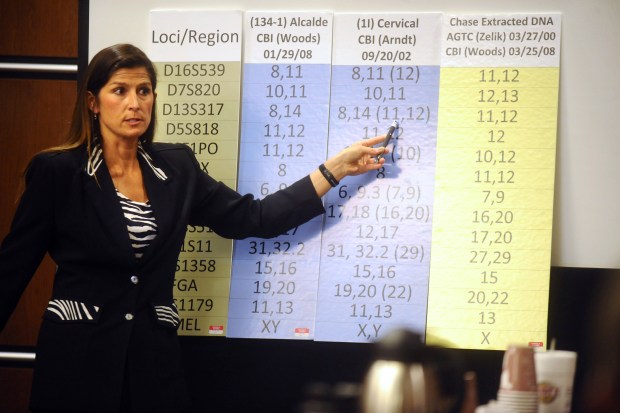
(555, 374)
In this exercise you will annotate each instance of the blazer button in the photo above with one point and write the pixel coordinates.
(134, 279)
(128, 316)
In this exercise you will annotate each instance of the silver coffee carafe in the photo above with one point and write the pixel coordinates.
(407, 377)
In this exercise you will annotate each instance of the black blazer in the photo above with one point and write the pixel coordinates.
(112, 316)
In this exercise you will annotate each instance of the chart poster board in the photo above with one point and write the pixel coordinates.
(451, 238)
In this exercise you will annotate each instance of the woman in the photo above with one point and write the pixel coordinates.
(108, 340)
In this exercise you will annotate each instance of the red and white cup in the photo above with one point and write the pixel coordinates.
(555, 374)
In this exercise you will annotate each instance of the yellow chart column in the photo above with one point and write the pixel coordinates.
(198, 60)
(496, 140)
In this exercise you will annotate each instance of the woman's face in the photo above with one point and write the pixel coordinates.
(124, 104)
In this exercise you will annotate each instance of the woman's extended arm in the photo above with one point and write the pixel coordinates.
(353, 160)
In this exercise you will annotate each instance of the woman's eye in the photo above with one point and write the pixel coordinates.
(145, 91)
(118, 90)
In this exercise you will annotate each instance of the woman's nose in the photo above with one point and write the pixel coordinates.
(133, 100)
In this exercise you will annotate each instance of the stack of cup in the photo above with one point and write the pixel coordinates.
(555, 373)
(518, 391)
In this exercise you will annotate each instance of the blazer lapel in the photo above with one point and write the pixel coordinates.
(103, 195)
(162, 197)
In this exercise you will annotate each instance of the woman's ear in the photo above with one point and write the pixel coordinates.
(92, 102)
